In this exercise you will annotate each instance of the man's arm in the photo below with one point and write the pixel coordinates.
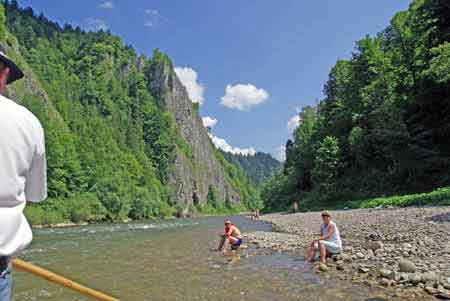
(36, 179)
(230, 231)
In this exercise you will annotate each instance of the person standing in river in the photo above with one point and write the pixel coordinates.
(329, 241)
(22, 172)
(232, 234)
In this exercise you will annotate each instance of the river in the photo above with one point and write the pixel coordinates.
(170, 260)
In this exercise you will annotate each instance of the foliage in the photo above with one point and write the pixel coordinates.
(383, 126)
(325, 168)
(110, 143)
(211, 199)
(110, 146)
(439, 196)
(258, 167)
(240, 182)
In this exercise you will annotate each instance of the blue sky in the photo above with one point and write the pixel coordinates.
(274, 56)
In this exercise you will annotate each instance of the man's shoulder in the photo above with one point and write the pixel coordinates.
(20, 111)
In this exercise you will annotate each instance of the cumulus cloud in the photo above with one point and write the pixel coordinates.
(293, 123)
(243, 97)
(107, 5)
(189, 79)
(223, 145)
(209, 122)
(95, 24)
(153, 18)
(280, 153)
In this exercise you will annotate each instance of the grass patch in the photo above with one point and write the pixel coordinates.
(438, 197)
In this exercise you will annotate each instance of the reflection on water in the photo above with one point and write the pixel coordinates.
(169, 260)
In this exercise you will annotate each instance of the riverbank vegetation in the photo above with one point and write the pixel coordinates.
(382, 128)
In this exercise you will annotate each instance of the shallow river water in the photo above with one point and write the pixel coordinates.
(170, 260)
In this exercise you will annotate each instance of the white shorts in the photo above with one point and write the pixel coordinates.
(330, 246)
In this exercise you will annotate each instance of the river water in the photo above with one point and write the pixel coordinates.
(170, 260)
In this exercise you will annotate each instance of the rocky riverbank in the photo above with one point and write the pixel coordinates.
(404, 250)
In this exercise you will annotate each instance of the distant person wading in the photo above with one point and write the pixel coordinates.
(22, 172)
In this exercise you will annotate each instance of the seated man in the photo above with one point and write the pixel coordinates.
(328, 243)
(232, 234)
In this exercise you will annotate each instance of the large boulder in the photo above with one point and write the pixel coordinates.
(406, 266)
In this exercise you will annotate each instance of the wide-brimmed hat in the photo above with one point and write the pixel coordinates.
(14, 71)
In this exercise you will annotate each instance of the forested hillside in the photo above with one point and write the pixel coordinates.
(258, 167)
(383, 127)
(117, 146)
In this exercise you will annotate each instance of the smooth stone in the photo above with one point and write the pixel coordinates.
(346, 257)
(385, 282)
(406, 266)
(430, 277)
(360, 255)
(323, 267)
(379, 252)
(415, 278)
(407, 246)
(431, 290)
(386, 273)
(374, 245)
(363, 269)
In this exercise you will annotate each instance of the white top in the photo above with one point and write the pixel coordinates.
(22, 173)
(335, 237)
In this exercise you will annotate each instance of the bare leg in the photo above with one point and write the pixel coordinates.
(310, 253)
(323, 253)
(222, 242)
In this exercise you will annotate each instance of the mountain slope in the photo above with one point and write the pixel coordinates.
(258, 167)
(123, 138)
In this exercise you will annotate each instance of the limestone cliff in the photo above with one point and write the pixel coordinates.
(191, 177)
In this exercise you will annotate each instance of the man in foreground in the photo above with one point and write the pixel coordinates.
(328, 243)
(22, 172)
(231, 234)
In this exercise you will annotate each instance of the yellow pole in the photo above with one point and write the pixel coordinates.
(50, 276)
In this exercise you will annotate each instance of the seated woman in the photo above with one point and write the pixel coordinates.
(328, 243)
(231, 234)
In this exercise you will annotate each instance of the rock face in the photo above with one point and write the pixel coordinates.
(191, 177)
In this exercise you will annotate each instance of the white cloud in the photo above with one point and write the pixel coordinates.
(209, 122)
(189, 79)
(280, 153)
(94, 24)
(107, 5)
(148, 24)
(153, 18)
(243, 97)
(149, 11)
(293, 123)
(223, 145)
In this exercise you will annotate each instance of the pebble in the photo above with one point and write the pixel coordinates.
(364, 269)
(374, 245)
(323, 267)
(406, 266)
(386, 273)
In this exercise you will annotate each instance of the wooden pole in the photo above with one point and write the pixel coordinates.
(50, 276)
